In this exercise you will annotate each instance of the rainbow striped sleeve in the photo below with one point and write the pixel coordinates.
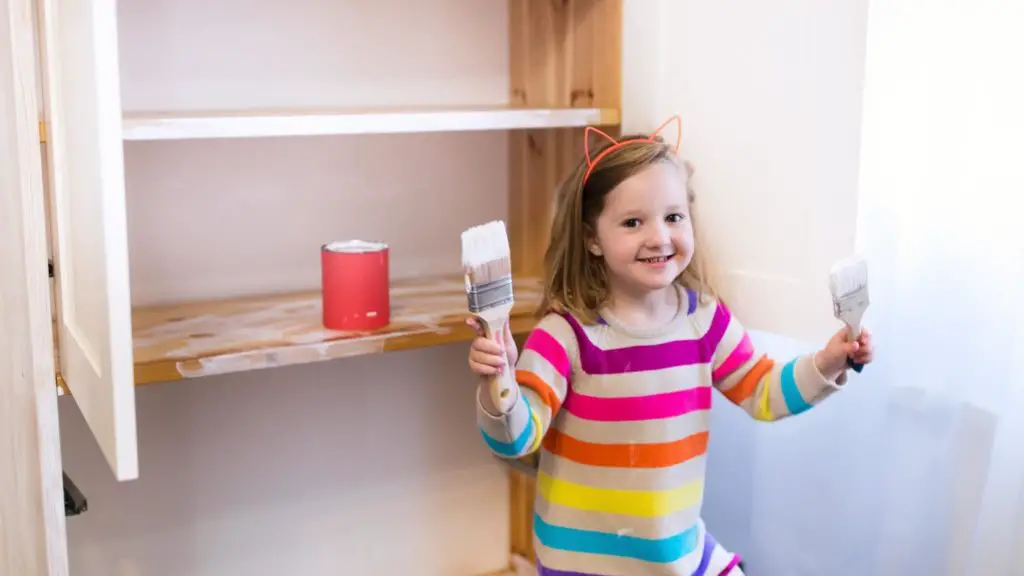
(544, 374)
(765, 389)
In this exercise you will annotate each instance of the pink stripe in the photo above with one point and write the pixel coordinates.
(732, 564)
(550, 349)
(632, 408)
(739, 355)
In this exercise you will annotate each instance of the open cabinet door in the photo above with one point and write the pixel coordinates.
(86, 180)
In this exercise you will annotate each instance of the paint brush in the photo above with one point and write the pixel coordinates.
(848, 282)
(487, 262)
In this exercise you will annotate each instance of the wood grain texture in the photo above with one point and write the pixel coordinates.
(32, 526)
(216, 337)
(564, 53)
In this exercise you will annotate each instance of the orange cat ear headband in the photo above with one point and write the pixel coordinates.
(591, 162)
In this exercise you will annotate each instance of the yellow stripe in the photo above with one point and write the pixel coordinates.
(763, 410)
(627, 502)
(538, 433)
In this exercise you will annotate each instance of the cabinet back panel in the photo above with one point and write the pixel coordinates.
(364, 467)
(220, 218)
(216, 54)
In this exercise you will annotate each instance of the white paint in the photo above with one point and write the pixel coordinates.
(86, 176)
(192, 125)
(355, 246)
(32, 528)
(770, 98)
(370, 465)
(321, 468)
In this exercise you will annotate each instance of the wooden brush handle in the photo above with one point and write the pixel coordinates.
(503, 386)
(854, 334)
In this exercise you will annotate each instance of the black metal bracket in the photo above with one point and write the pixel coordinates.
(74, 501)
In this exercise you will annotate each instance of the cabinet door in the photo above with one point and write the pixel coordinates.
(86, 179)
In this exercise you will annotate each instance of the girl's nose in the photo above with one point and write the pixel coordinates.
(659, 235)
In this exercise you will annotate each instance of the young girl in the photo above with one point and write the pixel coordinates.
(615, 381)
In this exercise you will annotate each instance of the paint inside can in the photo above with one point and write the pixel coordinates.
(355, 285)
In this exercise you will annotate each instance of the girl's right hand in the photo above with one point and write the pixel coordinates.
(485, 354)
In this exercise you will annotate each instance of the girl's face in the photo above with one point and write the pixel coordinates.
(644, 233)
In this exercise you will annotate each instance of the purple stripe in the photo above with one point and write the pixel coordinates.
(542, 571)
(709, 547)
(594, 360)
(692, 307)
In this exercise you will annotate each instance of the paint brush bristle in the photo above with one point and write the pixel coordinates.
(485, 253)
(848, 276)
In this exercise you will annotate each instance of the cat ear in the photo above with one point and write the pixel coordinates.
(679, 130)
(586, 143)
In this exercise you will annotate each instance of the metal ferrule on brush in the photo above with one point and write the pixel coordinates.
(489, 294)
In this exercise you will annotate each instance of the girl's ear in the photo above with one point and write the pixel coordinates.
(592, 244)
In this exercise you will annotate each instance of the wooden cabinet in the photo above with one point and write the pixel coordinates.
(563, 73)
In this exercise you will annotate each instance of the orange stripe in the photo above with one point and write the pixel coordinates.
(538, 385)
(745, 387)
(657, 455)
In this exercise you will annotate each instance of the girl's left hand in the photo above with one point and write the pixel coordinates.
(831, 360)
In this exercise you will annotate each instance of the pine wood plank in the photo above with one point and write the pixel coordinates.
(268, 123)
(562, 54)
(216, 337)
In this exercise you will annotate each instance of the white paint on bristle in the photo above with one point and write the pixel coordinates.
(848, 275)
(484, 243)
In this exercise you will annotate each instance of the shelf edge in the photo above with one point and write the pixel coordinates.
(191, 126)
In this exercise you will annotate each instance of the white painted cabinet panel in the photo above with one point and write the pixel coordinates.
(770, 97)
(86, 177)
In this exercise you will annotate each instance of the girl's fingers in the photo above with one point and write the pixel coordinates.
(486, 346)
(864, 356)
(496, 360)
(482, 369)
(472, 322)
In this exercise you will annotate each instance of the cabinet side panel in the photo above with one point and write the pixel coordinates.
(32, 539)
(561, 54)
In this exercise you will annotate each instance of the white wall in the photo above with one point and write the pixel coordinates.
(366, 466)
(770, 96)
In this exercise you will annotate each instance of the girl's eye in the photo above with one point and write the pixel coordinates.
(675, 218)
(631, 223)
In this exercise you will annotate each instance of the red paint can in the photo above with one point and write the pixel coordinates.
(355, 287)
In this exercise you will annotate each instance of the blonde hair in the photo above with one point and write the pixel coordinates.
(575, 281)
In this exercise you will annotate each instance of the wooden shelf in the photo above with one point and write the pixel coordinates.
(216, 337)
(260, 123)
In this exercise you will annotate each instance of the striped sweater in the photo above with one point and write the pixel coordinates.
(620, 420)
